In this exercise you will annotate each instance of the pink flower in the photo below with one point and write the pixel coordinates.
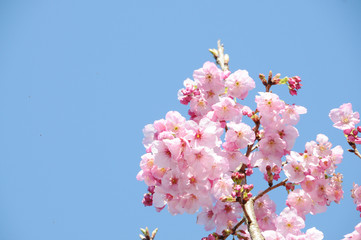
(207, 133)
(148, 132)
(226, 213)
(343, 117)
(289, 222)
(199, 159)
(199, 106)
(240, 134)
(356, 194)
(235, 159)
(260, 160)
(272, 144)
(166, 152)
(186, 95)
(207, 218)
(239, 83)
(175, 122)
(314, 234)
(223, 187)
(299, 200)
(288, 133)
(209, 78)
(269, 103)
(226, 109)
(272, 235)
(291, 114)
(294, 169)
(324, 146)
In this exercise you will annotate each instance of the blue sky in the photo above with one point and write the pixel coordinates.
(80, 79)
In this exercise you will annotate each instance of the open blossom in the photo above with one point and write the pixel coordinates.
(273, 235)
(226, 109)
(289, 222)
(239, 83)
(223, 187)
(199, 105)
(291, 114)
(272, 144)
(294, 169)
(205, 133)
(260, 160)
(226, 213)
(299, 200)
(209, 77)
(269, 103)
(356, 195)
(240, 134)
(343, 117)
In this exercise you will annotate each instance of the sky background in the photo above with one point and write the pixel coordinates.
(80, 79)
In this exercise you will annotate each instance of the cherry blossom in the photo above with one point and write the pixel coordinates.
(343, 117)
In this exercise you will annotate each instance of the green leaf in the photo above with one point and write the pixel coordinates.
(283, 80)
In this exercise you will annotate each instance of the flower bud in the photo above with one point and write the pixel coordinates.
(354, 132)
(263, 79)
(351, 138)
(249, 171)
(347, 131)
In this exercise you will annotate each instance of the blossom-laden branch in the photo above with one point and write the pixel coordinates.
(184, 156)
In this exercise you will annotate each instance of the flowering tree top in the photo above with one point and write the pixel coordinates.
(202, 164)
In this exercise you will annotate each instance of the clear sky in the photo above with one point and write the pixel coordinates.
(79, 80)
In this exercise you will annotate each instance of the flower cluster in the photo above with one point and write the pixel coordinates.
(294, 84)
(187, 163)
(356, 195)
(288, 227)
(203, 163)
(352, 135)
(314, 170)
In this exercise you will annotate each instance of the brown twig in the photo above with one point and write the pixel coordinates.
(271, 188)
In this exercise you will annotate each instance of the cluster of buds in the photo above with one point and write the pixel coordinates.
(294, 84)
(242, 191)
(290, 187)
(271, 174)
(186, 94)
(148, 197)
(146, 235)
(211, 237)
(351, 135)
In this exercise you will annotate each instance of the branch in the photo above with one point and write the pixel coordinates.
(221, 58)
(357, 153)
(354, 150)
(252, 224)
(271, 188)
(250, 218)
